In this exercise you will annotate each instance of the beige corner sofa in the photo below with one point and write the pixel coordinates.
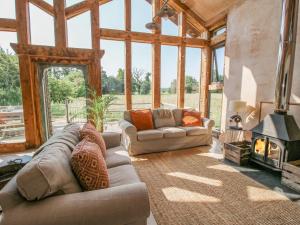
(124, 202)
(167, 135)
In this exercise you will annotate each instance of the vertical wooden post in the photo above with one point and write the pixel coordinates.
(156, 59)
(181, 62)
(128, 58)
(23, 34)
(96, 70)
(205, 80)
(60, 25)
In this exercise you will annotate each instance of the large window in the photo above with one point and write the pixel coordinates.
(141, 75)
(192, 77)
(169, 64)
(141, 15)
(112, 15)
(216, 91)
(11, 107)
(76, 38)
(71, 2)
(170, 27)
(7, 9)
(217, 74)
(113, 65)
(41, 27)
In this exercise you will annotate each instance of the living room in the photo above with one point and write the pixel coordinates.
(149, 112)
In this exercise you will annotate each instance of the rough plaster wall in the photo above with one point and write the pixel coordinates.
(251, 57)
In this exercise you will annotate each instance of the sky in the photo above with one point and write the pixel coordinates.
(111, 16)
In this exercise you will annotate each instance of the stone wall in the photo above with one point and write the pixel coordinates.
(251, 58)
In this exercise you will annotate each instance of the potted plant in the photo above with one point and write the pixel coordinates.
(97, 108)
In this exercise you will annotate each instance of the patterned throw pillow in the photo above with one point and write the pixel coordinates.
(142, 119)
(89, 166)
(191, 118)
(90, 133)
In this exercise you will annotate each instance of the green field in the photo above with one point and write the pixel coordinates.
(76, 108)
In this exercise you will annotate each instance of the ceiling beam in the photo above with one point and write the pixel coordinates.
(9, 25)
(81, 7)
(217, 22)
(43, 6)
(216, 40)
(192, 18)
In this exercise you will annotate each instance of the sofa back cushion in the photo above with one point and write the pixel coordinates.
(89, 166)
(142, 119)
(163, 118)
(89, 132)
(177, 113)
(48, 173)
(191, 118)
(127, 116)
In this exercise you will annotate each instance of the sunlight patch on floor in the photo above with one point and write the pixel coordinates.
(212, 155)
(256, 194)
(198, 179)
(175, 194)
(223, 167)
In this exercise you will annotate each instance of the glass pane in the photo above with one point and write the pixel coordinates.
(78, 26)
(72, 2)
(260, 145)
(141, 15)
(169, 57)
(41, 27)
(273, 151)
(170, 27)
(49, 1)
(112, 15)
(192, 77)
(11, 108)
(215, 107)
(64, 97)
(113, 64)
(141, 75)
(218, 64)
(219, 31)
(7, 9)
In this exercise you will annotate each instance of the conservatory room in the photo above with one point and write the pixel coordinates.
(149, 112)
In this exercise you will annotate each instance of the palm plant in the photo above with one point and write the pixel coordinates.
(98, 107)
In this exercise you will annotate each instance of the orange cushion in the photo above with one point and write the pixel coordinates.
(89, 166)
(191, 118)
(90, 133)
(142, 119)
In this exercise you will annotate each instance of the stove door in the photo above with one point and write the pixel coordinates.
(273, 153)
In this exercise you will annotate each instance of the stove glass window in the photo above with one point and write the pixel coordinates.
(260, 145)
(273, 151)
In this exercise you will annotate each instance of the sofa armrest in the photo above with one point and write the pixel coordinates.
(117, 205)
(112, 139)
(129, 130)
(208, 123)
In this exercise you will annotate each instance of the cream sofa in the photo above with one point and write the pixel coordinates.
(166, 136)
(124, 202)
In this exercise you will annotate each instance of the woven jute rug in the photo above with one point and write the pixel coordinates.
(194, 187)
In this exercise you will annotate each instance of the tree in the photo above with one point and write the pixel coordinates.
(120, 81)
(60, 89)
(137, 75)
(191, 84)
(173, 87)
(146, 85)
(10, 91)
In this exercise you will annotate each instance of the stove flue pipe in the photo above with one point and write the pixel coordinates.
(286, 55)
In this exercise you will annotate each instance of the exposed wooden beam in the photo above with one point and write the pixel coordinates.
(216, 40)
(218, 21)
(81, 7)
(205, 80)
(9, 25)
(60, 25)
(156, 59)
(128, 57)
(181, 62)
(120, 35)
(192, 18)
(22, 18)
(45, 6)
(96, 67)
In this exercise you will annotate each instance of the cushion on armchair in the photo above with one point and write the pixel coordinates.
(142, 119)
(89, 166)
(191, 118)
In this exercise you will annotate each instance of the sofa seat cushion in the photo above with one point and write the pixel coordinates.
(147, 135)
(122, 175)
(195, 131)
(173, 132)
(117, 156)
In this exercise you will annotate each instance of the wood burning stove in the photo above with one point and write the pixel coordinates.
(276, 139)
